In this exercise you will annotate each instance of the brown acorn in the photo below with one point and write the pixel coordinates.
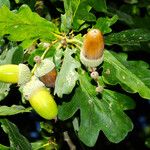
(49, 78)
(46, 72)
(93, 47)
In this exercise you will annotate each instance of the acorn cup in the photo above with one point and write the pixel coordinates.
(40, 99)
(46, 72)
(91, 54)
(11, 73)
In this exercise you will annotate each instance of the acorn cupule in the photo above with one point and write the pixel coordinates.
(91, 62)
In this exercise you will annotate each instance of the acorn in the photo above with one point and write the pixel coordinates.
(91, 54)
(12, 73)
(46, 72)
(40, 99)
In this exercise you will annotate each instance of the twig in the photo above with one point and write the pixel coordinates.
(68, 140)
(43, 55)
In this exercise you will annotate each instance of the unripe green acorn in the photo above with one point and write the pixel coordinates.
(46, 72)
(91, 54)
(40, 99)
(11, 73)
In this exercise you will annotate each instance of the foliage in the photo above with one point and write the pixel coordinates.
(16, 139)
(28, 30)
(104, 114)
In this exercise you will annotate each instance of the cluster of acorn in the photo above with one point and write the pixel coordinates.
(35, 88)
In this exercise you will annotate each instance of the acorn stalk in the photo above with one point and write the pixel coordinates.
(40, 99)
(91, 54)
(12, 73)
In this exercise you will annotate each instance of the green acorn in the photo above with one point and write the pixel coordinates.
(40, 99)
(11, 73)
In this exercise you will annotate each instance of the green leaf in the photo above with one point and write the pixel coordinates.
(46, 127)
(10, 56)
(96, 114)
(17, 141)
(128, 37)
(99, 5)
(4, 89)
(104, 24)
(141, 22)
(147, 142)
(67, 77)
(17, 56)
(43, 145)
(71, 7)
(27, 43)
(2, 42)
(124, 17)
(65, 24)
(133, 76)
(58, 57)
(131, 1)
(76, 13)
(2, 147)
(14, 109)
(83, 14)
(39, 144)
(17, 1)
(4, 2)
(25, 25)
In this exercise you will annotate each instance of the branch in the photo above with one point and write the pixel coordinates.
(68, 140)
